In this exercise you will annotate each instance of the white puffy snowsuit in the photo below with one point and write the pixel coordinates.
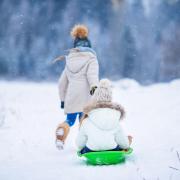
(102, 129)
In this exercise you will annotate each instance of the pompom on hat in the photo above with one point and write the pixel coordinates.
(79, 31)
(103, 93)
(80, 35)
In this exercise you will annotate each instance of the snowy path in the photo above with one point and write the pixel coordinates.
(29, 114)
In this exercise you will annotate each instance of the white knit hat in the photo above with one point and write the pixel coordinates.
(103, 93)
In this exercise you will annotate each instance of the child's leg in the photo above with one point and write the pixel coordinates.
(86, 150)
(63, 130)
(70, 119)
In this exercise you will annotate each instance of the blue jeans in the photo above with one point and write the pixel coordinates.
(86, 150)
(71, 118)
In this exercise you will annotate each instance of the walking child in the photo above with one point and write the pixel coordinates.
(77, 82)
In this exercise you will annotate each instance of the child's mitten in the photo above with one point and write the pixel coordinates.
(62, 104)
(130, 139)
(93, 90)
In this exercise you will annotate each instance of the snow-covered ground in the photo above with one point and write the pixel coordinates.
(29, 114)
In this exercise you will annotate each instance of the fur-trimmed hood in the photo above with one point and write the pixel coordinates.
(111, 105)
(104, 115)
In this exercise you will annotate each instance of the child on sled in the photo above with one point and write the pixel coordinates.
(100, 127)
(77, 82)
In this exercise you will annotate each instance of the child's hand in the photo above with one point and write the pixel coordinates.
(130, 139)
(93, 90)
(62, 104)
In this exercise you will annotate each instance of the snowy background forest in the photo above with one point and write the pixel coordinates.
(137, 39)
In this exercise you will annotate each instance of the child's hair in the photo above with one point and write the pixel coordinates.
(79, 31)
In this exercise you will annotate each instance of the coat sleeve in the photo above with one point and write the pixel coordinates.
(81, 139)
(93, 72)
(62, 85)
(121, 139)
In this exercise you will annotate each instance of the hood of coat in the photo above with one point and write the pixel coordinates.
(76, 61)
(104, 118)
(104, 115)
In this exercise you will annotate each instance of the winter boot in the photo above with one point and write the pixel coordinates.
(61, 134)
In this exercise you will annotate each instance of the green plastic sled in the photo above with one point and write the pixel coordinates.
(105, 157)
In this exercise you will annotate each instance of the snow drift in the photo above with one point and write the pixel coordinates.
(30, 112)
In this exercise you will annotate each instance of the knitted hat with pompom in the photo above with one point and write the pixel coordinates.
(103, 93)
(80, 35)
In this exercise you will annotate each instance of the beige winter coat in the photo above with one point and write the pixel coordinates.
(81, 73)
